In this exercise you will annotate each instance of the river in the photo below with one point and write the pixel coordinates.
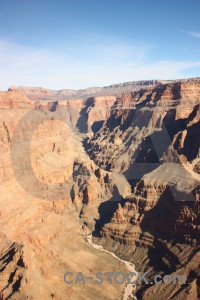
(129, 288)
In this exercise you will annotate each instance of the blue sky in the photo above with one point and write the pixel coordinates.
(81, 43)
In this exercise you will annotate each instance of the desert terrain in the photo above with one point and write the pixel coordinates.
(121, 163)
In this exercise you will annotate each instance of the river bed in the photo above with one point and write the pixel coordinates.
(129, 288)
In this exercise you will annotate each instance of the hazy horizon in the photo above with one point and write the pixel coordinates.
(90, 87)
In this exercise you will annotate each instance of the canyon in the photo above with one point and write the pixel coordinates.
(121, 163)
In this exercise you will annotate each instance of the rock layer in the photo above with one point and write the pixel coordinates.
(121, 161)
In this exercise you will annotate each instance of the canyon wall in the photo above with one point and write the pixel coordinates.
(122, 161)
(47, 182)
(152, 137)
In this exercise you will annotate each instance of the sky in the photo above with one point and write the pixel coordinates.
(61, 44)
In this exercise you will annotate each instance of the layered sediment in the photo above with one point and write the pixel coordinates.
(121, 161)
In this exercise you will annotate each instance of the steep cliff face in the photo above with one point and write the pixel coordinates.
(47, 182)
(153, 138)
(142, 118)
(122, 162)
(158, 214)
(39, 149)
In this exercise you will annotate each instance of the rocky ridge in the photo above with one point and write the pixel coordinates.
(39, 93)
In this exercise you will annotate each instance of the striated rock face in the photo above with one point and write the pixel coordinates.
(153, 138)
(138, 118)
(14, 100)
(160, 216)
(40, 149)
(47, 181)
(122, 161)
